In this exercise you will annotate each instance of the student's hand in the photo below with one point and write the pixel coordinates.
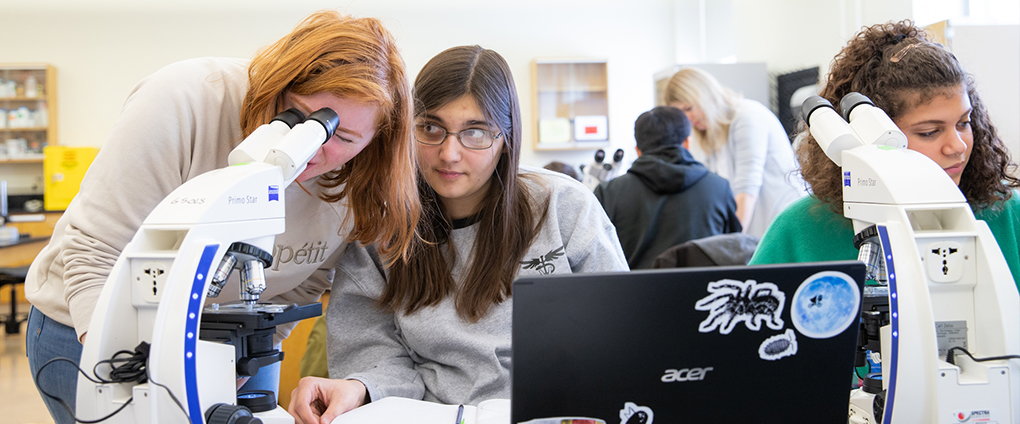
(320, 400)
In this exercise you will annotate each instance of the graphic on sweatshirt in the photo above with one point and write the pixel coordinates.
(732, 301)
(825, 304)
(633, 414)
(313, 252)
(543, 264)
(778, 346)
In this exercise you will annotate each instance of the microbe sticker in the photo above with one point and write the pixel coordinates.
(825, 304)
(778, 346)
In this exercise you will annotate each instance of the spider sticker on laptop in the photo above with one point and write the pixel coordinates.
(633, 414)
(732, 302)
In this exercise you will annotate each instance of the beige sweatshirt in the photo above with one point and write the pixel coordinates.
(178, 123)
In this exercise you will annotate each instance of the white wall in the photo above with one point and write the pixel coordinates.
(101, 49)
(985, 51)
(794, 34)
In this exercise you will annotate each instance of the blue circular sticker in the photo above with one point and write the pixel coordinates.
(825, 304)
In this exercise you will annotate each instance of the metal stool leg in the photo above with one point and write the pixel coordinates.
(13, 325)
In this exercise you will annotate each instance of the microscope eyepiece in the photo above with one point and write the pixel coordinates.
(291, 117)
(812, 104)
(329, 120)
(850, 101)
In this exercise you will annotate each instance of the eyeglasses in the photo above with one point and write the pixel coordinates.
(474, 138)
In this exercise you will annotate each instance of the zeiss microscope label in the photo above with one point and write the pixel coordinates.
(950, 334)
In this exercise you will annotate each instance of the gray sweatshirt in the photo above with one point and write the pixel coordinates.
(178, 123)
(433, 354)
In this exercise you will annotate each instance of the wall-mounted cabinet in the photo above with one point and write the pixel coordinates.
(28, 112)
(571, 103)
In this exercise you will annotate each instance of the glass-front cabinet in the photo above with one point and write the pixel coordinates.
(571, 104)
(28, 118)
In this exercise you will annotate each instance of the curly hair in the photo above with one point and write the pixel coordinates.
(898, 68)
(354, 58)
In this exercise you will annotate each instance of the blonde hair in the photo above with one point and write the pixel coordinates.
(353, 58)
(700, 89)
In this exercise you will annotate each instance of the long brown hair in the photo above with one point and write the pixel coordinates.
(896, 66)
(354, 58)
(507, 222)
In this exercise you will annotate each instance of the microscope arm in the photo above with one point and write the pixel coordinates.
(948, 283)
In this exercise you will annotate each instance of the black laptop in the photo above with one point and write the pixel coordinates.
(744, 344)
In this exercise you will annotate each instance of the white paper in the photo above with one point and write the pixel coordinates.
(554, 130)
(589, 128)
(403, 410)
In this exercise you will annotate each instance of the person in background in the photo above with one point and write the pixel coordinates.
(183, 121)
(666, 197)
(436, 325)
(742, 141)
(563, 169)
(930, 97)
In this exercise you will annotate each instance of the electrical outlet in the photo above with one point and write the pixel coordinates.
(944, 261)
(150, 278)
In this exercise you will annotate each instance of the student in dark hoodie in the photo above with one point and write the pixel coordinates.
(666, 197)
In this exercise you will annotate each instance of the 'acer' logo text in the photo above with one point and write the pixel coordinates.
(686, 374)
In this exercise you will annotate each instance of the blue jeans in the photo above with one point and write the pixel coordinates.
(48, 339)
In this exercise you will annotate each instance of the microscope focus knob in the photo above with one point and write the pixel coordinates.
(248, 367)
(222, 413)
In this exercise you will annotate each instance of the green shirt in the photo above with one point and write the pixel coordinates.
(808, 231)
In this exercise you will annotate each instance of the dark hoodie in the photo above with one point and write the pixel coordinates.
(664, 199)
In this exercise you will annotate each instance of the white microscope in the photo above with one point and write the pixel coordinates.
(946, 283)
(600, 170)
(185, 249)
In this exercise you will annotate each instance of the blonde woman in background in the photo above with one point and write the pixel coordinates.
(742, 141)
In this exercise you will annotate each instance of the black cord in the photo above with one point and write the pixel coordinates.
(952, 359)
(174, 398)
(64, 404)
(123, 370)
(126, 370)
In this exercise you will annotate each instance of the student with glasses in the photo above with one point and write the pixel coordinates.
(436, 326)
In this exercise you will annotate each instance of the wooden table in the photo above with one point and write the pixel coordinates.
(23, 252)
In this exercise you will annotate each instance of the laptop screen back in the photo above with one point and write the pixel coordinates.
(724, 344)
